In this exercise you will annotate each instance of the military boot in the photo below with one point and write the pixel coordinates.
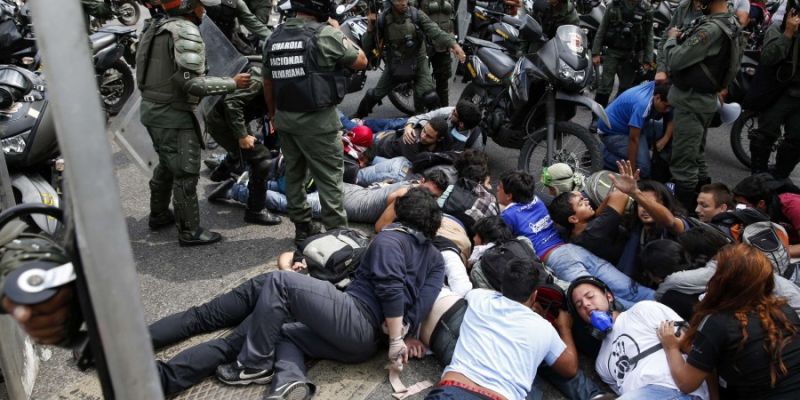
(786, 159)
(760, 151)
(161, 220)
(366, 105)
(221, 192)
(303, 230)
(443, 92)
(200, 237)
(227, 167)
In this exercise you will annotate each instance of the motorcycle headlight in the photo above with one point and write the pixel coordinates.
(567, 73)
(15, 144)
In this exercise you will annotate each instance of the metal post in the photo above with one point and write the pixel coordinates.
(102, 237)
(17, 356)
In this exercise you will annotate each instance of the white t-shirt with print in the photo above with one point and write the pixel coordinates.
(634, 332)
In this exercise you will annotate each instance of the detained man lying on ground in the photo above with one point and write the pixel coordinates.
(397, 281)
(362, 204)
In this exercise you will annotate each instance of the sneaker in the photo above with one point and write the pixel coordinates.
(163, 220)
(200, 237)
(220, 193)
(293, 391)
(237, 374)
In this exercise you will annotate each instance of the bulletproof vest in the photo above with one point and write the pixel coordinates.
(440, 11)
(627, 27)
(299, 83)
(402, 36)
(715, 72)
(224, 16)
(157, 74)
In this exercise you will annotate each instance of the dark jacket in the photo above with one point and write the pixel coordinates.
(400, 275)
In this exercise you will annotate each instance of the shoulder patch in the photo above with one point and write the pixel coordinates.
(701, 37)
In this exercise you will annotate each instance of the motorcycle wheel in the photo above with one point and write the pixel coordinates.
(574, 145)
(740, 138)
(128, 12)
(402, 97)
(116, 86)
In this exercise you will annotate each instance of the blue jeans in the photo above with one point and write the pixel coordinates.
(577, 388)
(570, 262)
(655, 392)
(616, 147)
(376, 124)
(395, 169)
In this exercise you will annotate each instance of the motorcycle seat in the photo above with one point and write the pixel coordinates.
(102, 40)
(499, 63)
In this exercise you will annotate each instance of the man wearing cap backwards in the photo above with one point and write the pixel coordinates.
(639, 118)
(560, 178)
(631, 360)
(170, 72)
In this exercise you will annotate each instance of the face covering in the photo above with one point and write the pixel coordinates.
(601, 323)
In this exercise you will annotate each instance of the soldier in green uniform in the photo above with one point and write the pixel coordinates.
(400, 33)
(625, 39)
(261, 9)
(782, 50)
(227, 124)
(442, 12)
(686, 12)
(228, 12)
(557, 13)
(702, 61)
(96, 8)
(304, 63)
(170, 69)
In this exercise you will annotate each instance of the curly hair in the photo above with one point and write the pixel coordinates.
(743, 284)
(418, 209)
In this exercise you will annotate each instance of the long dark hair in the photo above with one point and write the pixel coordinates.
(743, 284)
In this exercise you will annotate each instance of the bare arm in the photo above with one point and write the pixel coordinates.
(566, 364)
(633, 144)
(626, 183)
(686, 377)
(389, 215)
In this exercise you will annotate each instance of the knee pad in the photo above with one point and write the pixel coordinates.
(261, 169)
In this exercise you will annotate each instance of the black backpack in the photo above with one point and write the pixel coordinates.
(495, 260)
(333, 255)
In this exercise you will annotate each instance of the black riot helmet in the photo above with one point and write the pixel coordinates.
(321, 9)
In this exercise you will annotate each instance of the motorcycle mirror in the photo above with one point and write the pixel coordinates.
(531, 30)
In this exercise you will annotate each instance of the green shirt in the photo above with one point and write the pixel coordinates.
(684, 14)
(333, 50)
(778, 48)
(232, 120)
(705, 41)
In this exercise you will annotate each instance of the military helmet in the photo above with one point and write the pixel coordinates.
(317, 8)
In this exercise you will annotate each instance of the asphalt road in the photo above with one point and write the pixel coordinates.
(172, 278)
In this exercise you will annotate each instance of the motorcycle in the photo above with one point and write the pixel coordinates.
(28, 141)
(127, 12)
(496, 27)
(527, 104)
(114, 51)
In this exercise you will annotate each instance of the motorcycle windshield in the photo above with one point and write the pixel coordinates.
(571, 46)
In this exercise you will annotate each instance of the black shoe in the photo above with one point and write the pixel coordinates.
(293, 391)
(220, 193)
(262, 217)
(305, 229)
(237, 374)
(200, 237)
(163, 220)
